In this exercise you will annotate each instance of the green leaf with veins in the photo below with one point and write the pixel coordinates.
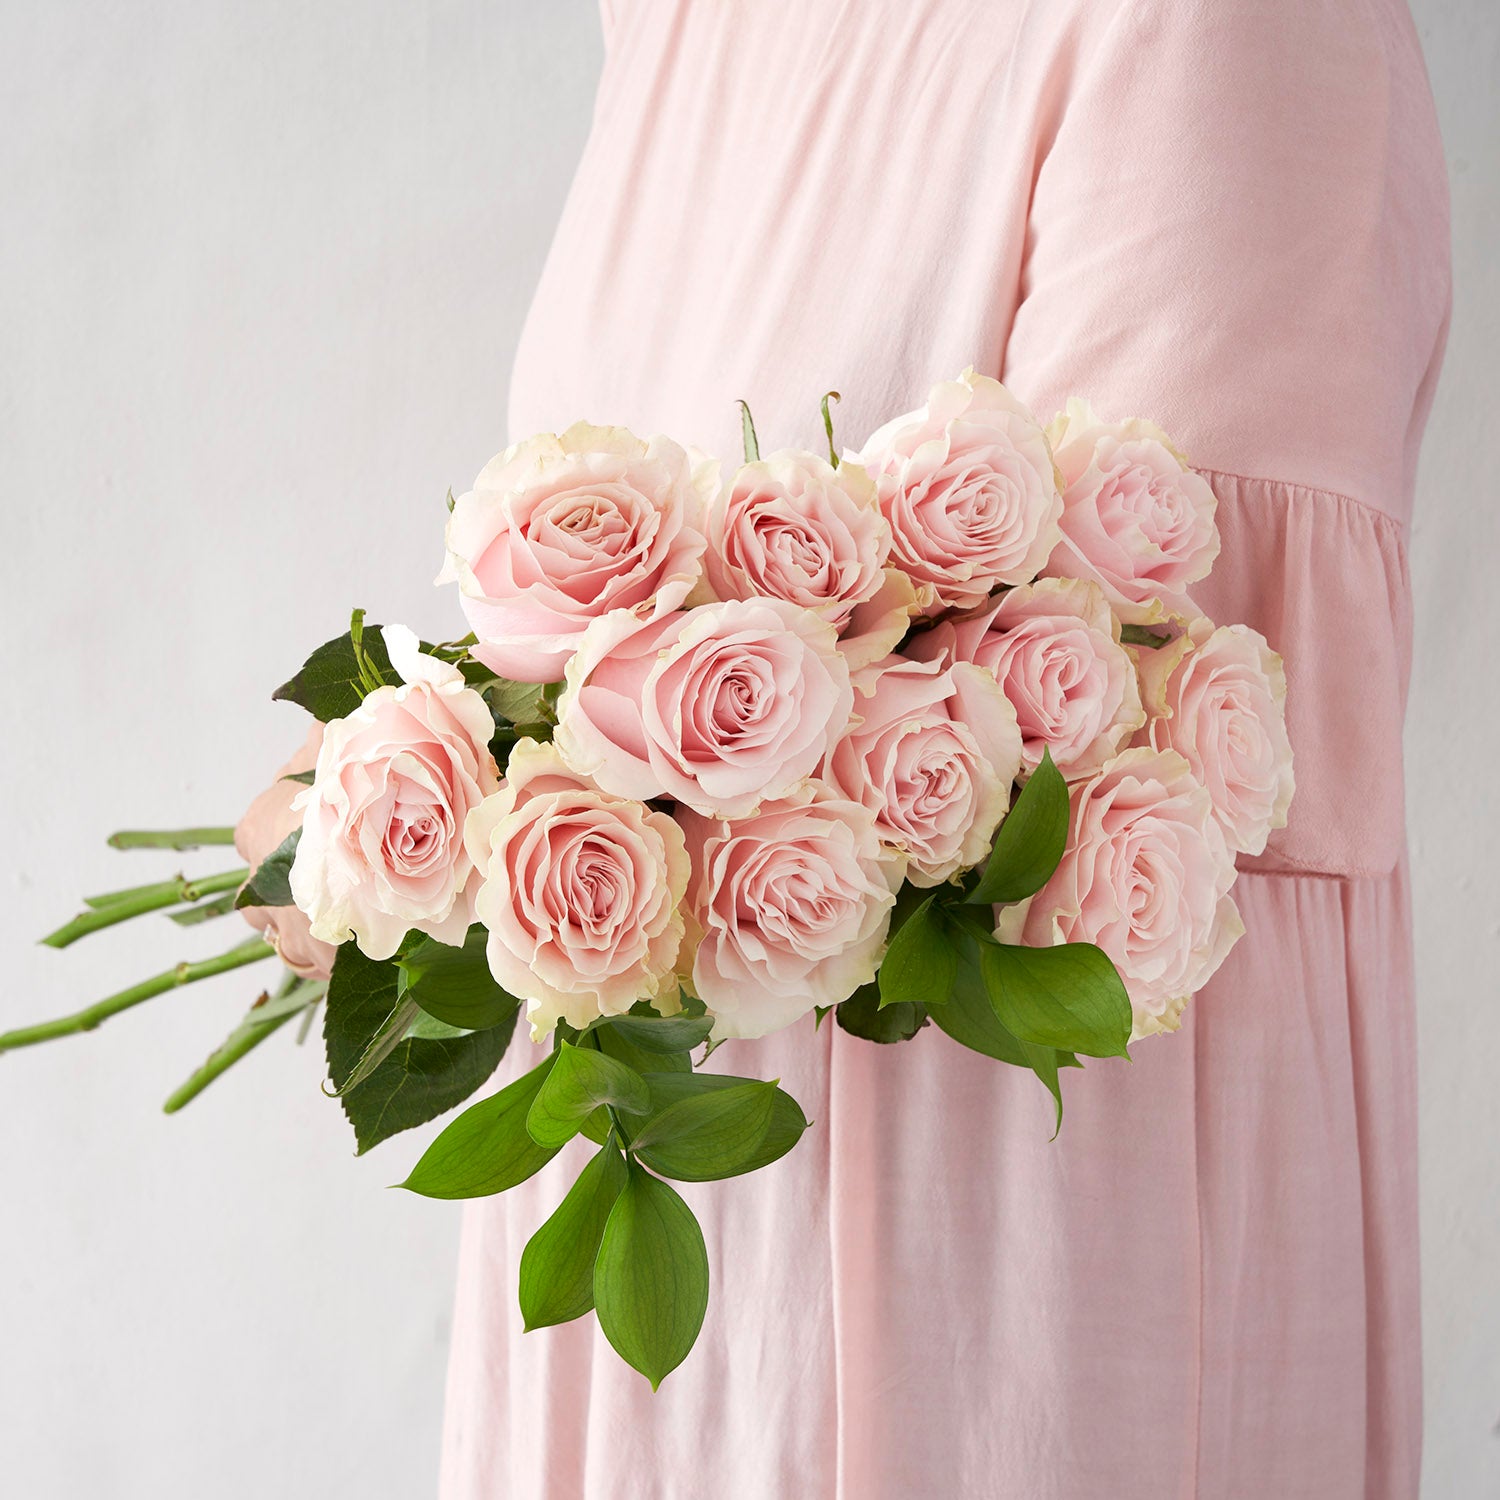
(487, 1149)
(651, 1277)
(329, 684)
(1030, 842)
(580, 1082)
(455, 984)
(919, 962)
(271, 884)
(865, 1015)
(969, 1018)
(1069, 996)
(783, 1130)
(710, 1135)
(557, 1265)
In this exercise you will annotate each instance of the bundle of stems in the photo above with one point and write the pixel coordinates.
(187, 900)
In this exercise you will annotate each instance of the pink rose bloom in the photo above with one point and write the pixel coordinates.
(793, 527)
(558, 531)
(968, 486)
(1135, 518)
(1054, 646)
(382, 847)
(931, 753)
(1218, 697)
(720, 708)
(268, 822)
(580, 892)
(792, 906)
(1146, 876)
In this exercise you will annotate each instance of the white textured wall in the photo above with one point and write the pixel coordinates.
(1453, 792)
(262, 268)
(261, 271)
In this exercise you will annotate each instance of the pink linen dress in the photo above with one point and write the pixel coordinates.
(1226, 215)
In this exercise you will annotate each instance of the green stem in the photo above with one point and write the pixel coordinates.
(126, 904)
(190, 916)
(170, 838)
(292, 1000)
(113, 898)
(591, 1039)
(248, 952)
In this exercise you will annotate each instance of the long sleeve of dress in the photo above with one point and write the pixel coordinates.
(1238, 228)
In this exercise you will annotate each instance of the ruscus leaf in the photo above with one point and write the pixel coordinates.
(578, 1084)
(783, 1131)
(664, 1034)
(487, 1149)
(557, 1265)
(865, 1016)
(920, 962)
(651, 1277)
(709, 1136)
(1068, 997)
(969, 1018)
(1030, 842)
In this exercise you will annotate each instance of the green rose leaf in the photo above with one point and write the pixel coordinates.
(388, 1036)
(517, 702)
(557, 1265)
(662, 1034)
(271, 884)
(651, 1277)
(330, 685)
(455, 984)
(420, 1078)
(1068, 997)
(1029, 842)
(578, 1084)
(487, 1148)
(864, 1014)
(919, 964)
(708, 1136)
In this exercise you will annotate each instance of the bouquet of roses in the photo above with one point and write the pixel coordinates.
(929, 733)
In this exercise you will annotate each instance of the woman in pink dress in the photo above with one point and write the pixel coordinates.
(1228, 216)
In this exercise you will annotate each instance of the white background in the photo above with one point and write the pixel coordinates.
(262, 268)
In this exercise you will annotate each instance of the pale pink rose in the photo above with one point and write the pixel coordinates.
(382, 847)
(580, 892)
(268, 822)
(1146, 876)
(558, 531)
(791, 907)
(719, 708)
(793, 527)
(1054, 646)
(968, 485)
(931, 752)
(1219, 698)
(1136, 519)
